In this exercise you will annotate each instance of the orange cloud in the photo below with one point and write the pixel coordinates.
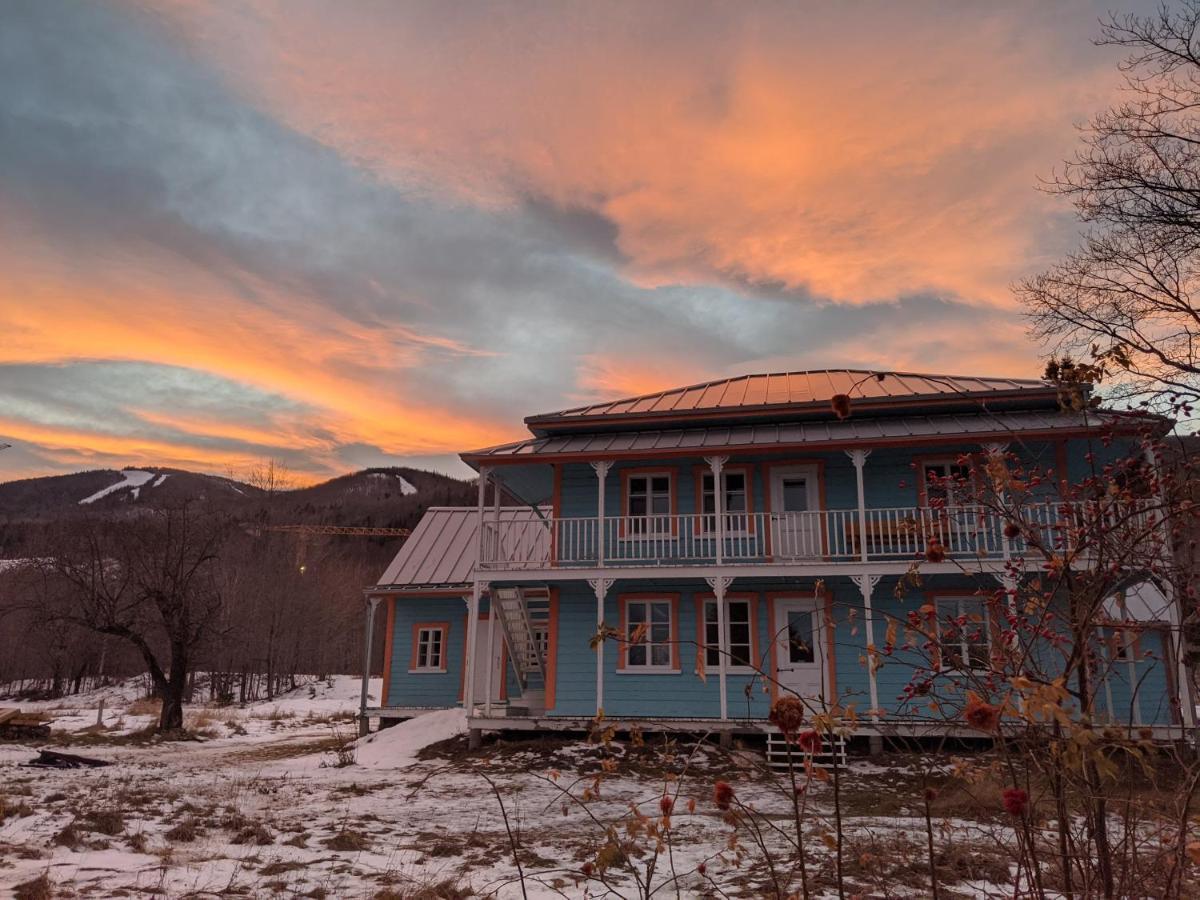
(767, 144)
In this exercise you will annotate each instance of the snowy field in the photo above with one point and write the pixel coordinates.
(276, 799)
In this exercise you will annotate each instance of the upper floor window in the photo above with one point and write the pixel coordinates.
(963, 639)
(649, 502)
(946, 483)
(734, 503)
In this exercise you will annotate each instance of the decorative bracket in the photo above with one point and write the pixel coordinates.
(717, 464)
(867, 583)
(995, 449)
(720, 583)
(601, 467)
(600, 586)
(858, 457)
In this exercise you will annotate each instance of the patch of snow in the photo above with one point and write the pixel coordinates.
(134, 478)
(406, 486)
(397, 747)
(161, 478)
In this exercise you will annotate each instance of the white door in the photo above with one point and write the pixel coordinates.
(795, 512)
(799, 647)
(489, 625)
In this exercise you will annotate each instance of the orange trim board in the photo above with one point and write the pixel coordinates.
(388, 650)
(622, 610)
(830, 654)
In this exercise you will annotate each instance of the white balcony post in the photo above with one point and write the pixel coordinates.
(866, 586)
(491, 668)
(719, 584)
(717, 465)
(600, 586)
(601, 467)
(496, 518)
(859, 458)
(484, 474)
(472, 637)
(997, 451)
(372, 605)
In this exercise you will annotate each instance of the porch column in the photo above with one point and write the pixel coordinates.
(372, 605)
(866, 586)
(601, 467)
(600, 586)
(496, 514)
(859, 458)
(997, 451)
(472, 638)
(491, 669)
(719, 583)
(717, 465)
(481, 541)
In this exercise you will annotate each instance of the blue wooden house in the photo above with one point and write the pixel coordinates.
(739, 539)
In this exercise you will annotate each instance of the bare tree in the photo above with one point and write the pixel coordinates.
(1126, 297)
(150, 580)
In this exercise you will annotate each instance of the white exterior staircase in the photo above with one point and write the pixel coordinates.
(777, 752)
(524, 617)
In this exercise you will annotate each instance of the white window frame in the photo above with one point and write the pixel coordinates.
(731, 666)
(656, 524)
(950, 464)
(961, 646)
(646, 642)
(424, 641)
(708, 519)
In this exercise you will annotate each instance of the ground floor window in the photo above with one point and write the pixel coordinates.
(429, 647)
(963, 639)
(649, 633)
(741, 649)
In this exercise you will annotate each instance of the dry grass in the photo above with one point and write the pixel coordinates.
(349, 840)
(40, 888)
(105, 821)
(145, 706)
(185, 832)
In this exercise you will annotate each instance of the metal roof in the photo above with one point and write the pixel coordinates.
(790, 389)
(813, 434)
(443, 548)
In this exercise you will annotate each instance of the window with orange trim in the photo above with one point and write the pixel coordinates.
(741, 641)
(736, 503)
(429, 648)
(649, 503)
(648, 634)
(963, 638)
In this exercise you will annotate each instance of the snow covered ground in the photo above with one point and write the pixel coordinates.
(134, 478)
(279, 799)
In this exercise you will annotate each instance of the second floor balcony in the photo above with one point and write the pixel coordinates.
(532, 539)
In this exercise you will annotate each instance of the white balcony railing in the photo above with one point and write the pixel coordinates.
(533, 541)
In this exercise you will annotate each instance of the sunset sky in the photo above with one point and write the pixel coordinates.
(372, 233)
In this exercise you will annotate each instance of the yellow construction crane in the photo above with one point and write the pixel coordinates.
(304, 532)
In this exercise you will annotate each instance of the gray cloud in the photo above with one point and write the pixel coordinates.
(113, 138)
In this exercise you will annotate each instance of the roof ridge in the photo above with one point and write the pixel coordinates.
(705, 385)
